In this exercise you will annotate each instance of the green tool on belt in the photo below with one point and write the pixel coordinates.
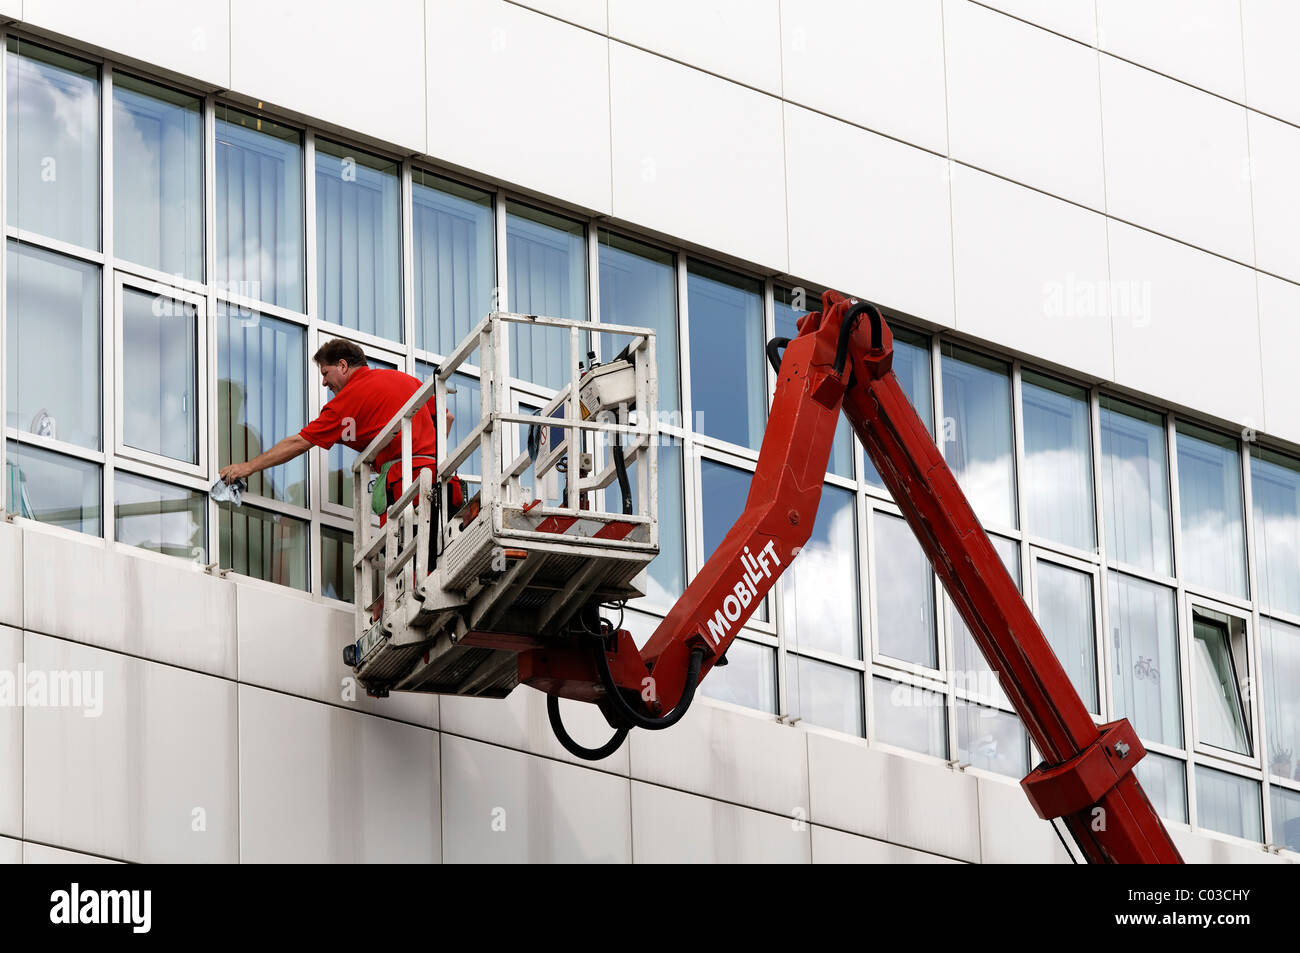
(379, 492)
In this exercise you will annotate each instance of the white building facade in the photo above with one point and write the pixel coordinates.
(1081, 219)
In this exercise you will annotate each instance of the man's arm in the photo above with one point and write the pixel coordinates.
(286, 449)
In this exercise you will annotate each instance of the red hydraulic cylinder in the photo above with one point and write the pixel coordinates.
(1087, 779)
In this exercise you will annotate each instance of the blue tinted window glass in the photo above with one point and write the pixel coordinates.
(728, 387)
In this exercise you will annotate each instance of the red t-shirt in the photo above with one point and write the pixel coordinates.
(369, 400)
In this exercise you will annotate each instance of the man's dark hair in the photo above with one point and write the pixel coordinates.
(331, 352)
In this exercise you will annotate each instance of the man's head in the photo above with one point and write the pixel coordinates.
(338, 360)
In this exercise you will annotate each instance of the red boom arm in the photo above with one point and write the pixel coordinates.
(841, 360)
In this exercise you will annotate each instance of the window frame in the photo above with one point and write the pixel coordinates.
(121, 284)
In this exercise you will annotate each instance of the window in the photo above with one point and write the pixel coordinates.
(1067, 613)
(1286, 818)
(1209, 507)
(991, 740)
(638, 287)
(1218, 669)
(160, 517)
(907, 716)
(728, 386)
(259, 227)
(1135, 487)
(820, 588)
(264, 545)
(666, 573)
(1058, 462)
(261, 399)
(454, 260)
(789, 309)
(970, 669)
(1282, 698)
(748, 678)
(53, 488)
(547, 260)
(53, 144)
(337, 578)
(159, 376)
(977, 433)
(723, 490)
(358, 241)
(1275, 498)
(1144, 647)
(912, 368)
(55, 362)
(904, 594)
(1228, 804)
(824, 695)
(157, 177)
(1164, 780)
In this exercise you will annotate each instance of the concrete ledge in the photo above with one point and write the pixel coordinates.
(747, 758)
(291, 643)
(82, 591)
(892, 798)
(672, 827)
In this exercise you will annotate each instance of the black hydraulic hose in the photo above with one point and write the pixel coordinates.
(620, 467)
(774, 349)
(846, 328)
(633, 717)
(571, 746)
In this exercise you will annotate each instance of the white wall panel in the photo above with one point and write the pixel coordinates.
(1176, 160)
(11, 574)
(1202, 848)
(359, 69)
(1274, 159)
(129, 603)
(11, 851)
(869, 216)
(322, 785)
(1193, 336)
(671, 827)
(190, 38)
(11, 9)
(591, 14)
(1073, 18)
(502, 806)
(738, 39)
(1031, 272)
(152, 779)
(12, 692)
(748, 759)
(519, 721)
(522, 96)
(1197, 41)
(876, 63)
(1032, 112)
(1010, 831)
(41, 854)
(697, 157)
(292, 644)
(1279, 343)
(892, 798)
(830, 846)
(1269, 29)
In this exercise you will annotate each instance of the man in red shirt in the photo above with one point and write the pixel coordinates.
(365, 400)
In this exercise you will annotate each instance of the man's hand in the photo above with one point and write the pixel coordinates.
(236, 471)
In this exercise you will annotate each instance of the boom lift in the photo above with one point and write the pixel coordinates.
(841, 359)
